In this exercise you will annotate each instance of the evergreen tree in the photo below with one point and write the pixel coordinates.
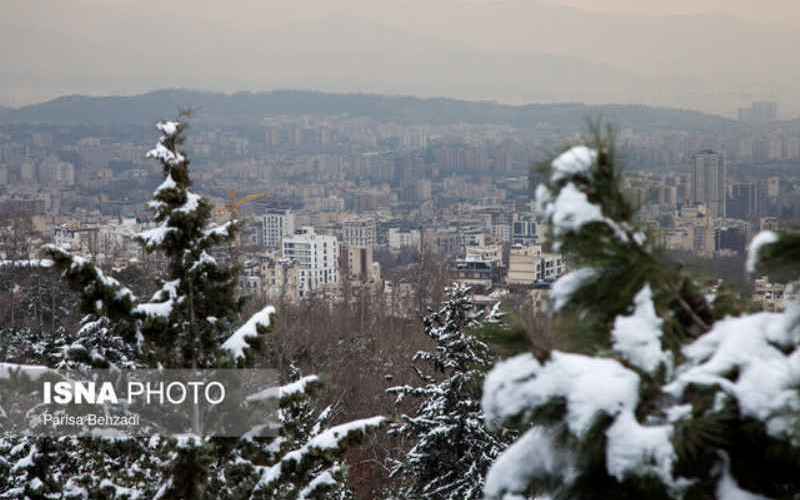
(186, 324)
(453, 448)
(304, 460)
(665, 396)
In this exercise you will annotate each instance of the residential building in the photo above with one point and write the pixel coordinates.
(530, 264)
(771, 297)
(318, 257)
(276, 225)
(360, 264)
(359, 232)
(399, 239)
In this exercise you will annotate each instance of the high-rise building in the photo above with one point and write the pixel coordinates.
(318, 257)
(744, 201)
(359, 232)
(360, 264)
(276, 225)
(709, 182)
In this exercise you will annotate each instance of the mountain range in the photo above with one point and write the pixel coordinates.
(248, 108)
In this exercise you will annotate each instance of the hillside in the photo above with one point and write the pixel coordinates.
(251, 108)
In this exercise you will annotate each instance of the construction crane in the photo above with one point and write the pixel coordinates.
(235, 205)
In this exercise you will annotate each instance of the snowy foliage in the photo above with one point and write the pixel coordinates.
(564, 287)
(99, 343)
(238, 342)
(754, 249)
(184, 325)
(453, 447)
(304, 460)
(663, 400)
(637, 338)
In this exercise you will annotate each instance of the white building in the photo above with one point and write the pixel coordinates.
(530, 264)
(277, 225)
(318, 257)
(399, 239)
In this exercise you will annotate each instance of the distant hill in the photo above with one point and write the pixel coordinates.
(250, 108)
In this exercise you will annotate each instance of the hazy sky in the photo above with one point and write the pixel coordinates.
(712, 55)
(767, 11)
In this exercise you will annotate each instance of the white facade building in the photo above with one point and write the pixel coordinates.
(318, 258)
(277, 225)
(399, 239)
(530, 264)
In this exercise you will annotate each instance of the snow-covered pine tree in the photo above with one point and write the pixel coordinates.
(301, 420)
(666, 398)
(186, 324)
(303, 460)
(45, 467)
(452, 446)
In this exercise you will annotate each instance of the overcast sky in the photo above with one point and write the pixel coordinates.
(711, 55)
(767, 11)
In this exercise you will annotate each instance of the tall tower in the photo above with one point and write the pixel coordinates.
(709, 182)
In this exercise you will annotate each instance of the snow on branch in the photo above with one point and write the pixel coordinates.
(565, 287)
(291, 390)
(9, 371)
(97, 288)
(219, 233)
(33, 263)
(203, 262)
(191, 204)
(155, 238)
(761, 240)
(637, 337)
(575, 161)
(164, 154)
(238, 342)
(323, 481)
(754, 360)
(162, 303)
(324, 444)
(590, 386)
(169, 128)
(571, 210)
(575, 175)
(169, 183)
(533, 456)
